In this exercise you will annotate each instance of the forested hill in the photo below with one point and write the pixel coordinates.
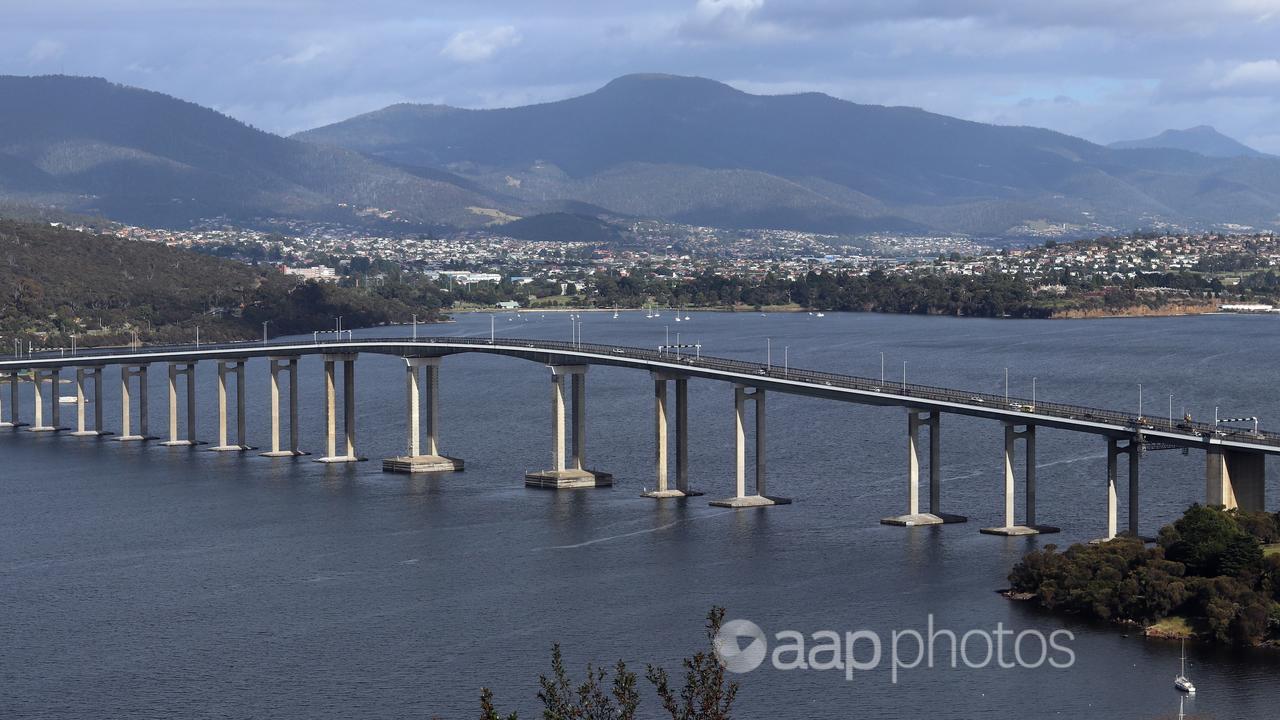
(57, 282)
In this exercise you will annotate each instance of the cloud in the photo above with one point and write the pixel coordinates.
(722, 19)
(45, 50)
(1250, 77)
(469, 46)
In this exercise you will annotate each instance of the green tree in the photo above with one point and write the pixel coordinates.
(706, 694)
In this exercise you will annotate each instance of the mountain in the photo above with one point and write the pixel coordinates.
(1201, 139)
(695, 150)
(562, 226)
(92, 146)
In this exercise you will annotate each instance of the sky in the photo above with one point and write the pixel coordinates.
(1104, 70)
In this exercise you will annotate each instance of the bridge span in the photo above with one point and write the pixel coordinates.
(1234, 469)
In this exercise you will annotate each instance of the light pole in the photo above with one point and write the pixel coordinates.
(1006, 386)
(1033, 393)
(580, 333)
(492, 329)
(264, 331)
(1171, 410)
(415, 327)
(1139, 401)
(666, 343)
(786, 360)
(904, 376)
(337, 329)
(197, 337)
(698, 351)
(882, 369)
(73, 343)
(768, 353)
(677, 346)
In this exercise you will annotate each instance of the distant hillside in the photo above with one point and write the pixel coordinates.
(1201, 139)
(696, 150)
(91, 146)
(56, 282)
(561, 227)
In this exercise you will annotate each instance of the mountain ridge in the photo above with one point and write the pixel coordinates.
(1201, 139)
(807, 161)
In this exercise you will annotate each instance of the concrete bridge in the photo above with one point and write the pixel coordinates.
(1234, 468)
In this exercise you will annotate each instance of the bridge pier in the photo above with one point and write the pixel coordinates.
(416, 461)
(561, 475)
(38, 378)
(661, 450)
(1133, 449)
(761, 498)
(96, 374)
(187, 370)
(1011, 436)
(126, 404)
(1235, 479)
(226, 367)
(348, 361)
(14, 420)
(287, 364)
(935, 516)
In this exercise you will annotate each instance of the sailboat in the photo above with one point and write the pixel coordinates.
(615, 312)
(1182, 682)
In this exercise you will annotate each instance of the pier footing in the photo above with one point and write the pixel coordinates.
(231, 448)
(421, 464)
(660, 494)
(1018, 530)
(560, 479)
(133, 438)
(284, 453)
(923, 519)
(750, 501)
(340, 459)
(89, 433)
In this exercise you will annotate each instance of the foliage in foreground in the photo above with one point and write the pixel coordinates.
(705, 695)
(1209, 565)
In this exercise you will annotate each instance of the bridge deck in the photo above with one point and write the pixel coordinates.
(797, 381)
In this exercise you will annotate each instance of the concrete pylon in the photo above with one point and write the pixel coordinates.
(1133, 449)
(127, 433)
(760, 498)
(561, 474)
(187, 371)
(15, 407)
(347, 452)
(278, 365)
(415, 460)
(662, 410)
(1010, 527)
(913, 516)
(38, 378)
(1235, 479)
(82, 430)
(235, 368)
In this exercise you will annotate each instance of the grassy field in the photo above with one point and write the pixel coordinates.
(1173, 626)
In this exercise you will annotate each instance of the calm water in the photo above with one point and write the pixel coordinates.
(142, 581)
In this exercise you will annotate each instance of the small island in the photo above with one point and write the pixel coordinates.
(1213, 574)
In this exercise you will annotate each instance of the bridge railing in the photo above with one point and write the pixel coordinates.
(925, 393)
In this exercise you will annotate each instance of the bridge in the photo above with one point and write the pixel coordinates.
(1234, 468)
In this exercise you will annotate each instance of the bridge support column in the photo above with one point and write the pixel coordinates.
(94, 373)
(1235, 479)
(1011, 436)
(348, 361)
(126, 404)
(662, 414)
(935, 516)
(38, 378)
(1132, 448)
(290, 365)
(227, 367)
(560, 475)
(185, 370)
(761, 498)
(15, 406)
(415, 460)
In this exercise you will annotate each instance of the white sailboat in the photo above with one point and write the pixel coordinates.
(1182, 682)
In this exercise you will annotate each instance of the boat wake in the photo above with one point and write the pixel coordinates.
(645, 531)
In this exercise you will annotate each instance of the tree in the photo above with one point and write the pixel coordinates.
(487, 711)
(589, 701)
(706, 695)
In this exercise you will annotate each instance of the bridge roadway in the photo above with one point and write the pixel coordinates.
(1224, 446)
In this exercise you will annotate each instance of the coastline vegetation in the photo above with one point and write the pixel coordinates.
(1213, 574)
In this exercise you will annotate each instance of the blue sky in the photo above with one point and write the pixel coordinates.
(1101, 69)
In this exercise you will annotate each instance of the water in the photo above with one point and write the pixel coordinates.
(143, 581)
